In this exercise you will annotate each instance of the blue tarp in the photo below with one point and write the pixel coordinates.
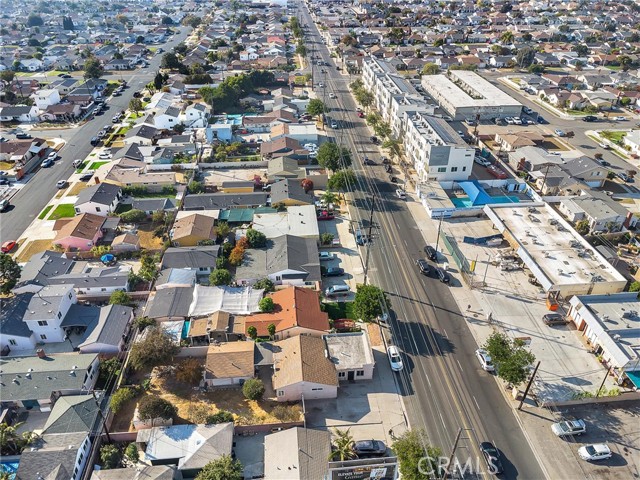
(107, 258)
(475, 192)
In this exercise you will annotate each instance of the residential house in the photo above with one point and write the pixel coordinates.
(284, 167)
(42, 266)
(19, 113)
(302, 369)
(152, 205)
(147, 472)
(289, 192)
(305, 457)
(167, 118)
(229, 363)
(632, 140)
(187, 231)
(169, 305)
(25, 155)
(126, 242)
(45, 98)
(202, 259)
(351, 354)
(219, 201)
(106, 334)
(601, 212)
(196, 115)
(141, 134)
(279, 147)
(135, 177)
(62, 112)
(56, 456)
(80, 233)
(586, 170)
(298, 221)
(175, 277)
(101, 199)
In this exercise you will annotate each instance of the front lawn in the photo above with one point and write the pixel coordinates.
(81, 167)
(44, 212)
(96, 165)
(614, 136)
(64, 210)
(337, 310)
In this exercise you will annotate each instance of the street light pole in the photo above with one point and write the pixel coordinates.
(438, 237)
(366, 261)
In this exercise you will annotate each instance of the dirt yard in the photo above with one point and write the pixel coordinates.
(76, 188)
(33, 247)
(147, 240)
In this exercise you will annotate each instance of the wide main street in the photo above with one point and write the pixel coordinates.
(31, 199)
(443, 388)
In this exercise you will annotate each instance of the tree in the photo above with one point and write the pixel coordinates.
(110, 456)
(158, 216)
(119, 298)
(582, 227)
(156, 348)
(252, 332)
(373, 119)
(394, 146)
(7, 76)
(333, 157)
(192, 21)
(306, 184)
(253, 389)
(135, 105)
(342, 448)
(315, 107)
(266, 305)
(271, 328)
(581, 49)
(221, 416)
(166, 20)
(329, 197)
(222, 229)
(33, 42)
(109, 369)
(527, 37)
(326, 238)
(158, 81)
(9, 273)
(369, 302)
(506, 37)
(536, 68)
(341, 180)
(131, 452)
(34, 20)
(170, 61)
(525, 57)
(196, 187)
(511, 359)
(67, 23)
(140, 39)
(152, 406)
(220, 276)
(430, 68)
(256, 239)
(224, 468)
(133, 216)
(301, 50)
(120, 397)
(237, 254)
(634, 287)
(13, 443)
(411, 448)
(189, 371)
(382, 129)
(93, 68)
(364, 97)
(266, 284)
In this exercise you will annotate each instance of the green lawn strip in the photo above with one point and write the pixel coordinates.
(96, 165)
(64, 210)
(81, 167)
(613, 135)
(45, 212)
(337, 310)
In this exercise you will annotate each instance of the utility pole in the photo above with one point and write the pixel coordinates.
(526, 390)
(603, 380)
(104, 421)
(366, 261)
(438, 237)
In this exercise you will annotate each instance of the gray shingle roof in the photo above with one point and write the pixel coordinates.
(44, 265)
(289, 252)
(110, 327)
(12, 313)
(218, 201)
(71, 414)
(53, 459)
(170, 302)
(191, 257)
(289, 189)
(305, 456)
(103, 193)
(153, 204)
(46, 302)
(94, 278)
(143, 131)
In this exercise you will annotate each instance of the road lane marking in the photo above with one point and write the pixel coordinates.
(461, 369)
(476, 402)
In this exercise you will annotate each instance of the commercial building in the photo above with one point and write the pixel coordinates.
(464, 94)
(561, 260)
(436, 151)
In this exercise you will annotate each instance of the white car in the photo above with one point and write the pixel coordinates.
(482, 161)
(517, 120)
(332, 95)
(53, 155)
(560, 133)
(604, 145)
(570, 427)
(620, 119)
(325, 256)
(509, 120)
(595, 452)
(401, 194)
(77, 163)
(104, 156)
(485, 360)
(61, 183)
(394, 358)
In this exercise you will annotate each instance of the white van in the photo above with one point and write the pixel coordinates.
(77, 163)
(337, 290)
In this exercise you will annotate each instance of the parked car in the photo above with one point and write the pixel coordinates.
(423, 265)
(560, 133)
(492, 458)
(23, 136)
(481, 161)
(369, 448)
(325, 256)
(602, 162)
(361, 114)
(368, 161)
(570, 427)
(46, 163)
(527, 110)
(332, 95)
(604, 145)
(393, 179)
(589, 118)
(95, 140)
(4, 204)
(61, 183)
(388, 168)
(431, 253)
(374, 139)
(485, 360)
(595, 452)
(104, 156)
(624, 177)
(554, 319)
(326, 215)
(85, 177)
(442, 275)
(77, 163)
(394, 358)
(386, 161)
(334, 125)
(8, 246)
(333, 272)
(517, 120)
(401, 194)
(620, 118)
(52, 155)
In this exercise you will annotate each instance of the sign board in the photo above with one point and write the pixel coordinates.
(371, 469)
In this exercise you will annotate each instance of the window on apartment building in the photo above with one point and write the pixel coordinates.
(103, 289)
(43, 337)
(97, 209)
(281, 393)
(442, 169)
(454, 169)
(316, 389)
(12, 342)
(464, 169)
(341, 374)
(59, 314)
(360, 373)
(42, 323)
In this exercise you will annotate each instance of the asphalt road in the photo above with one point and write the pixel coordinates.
(32, 198)
(444, 389)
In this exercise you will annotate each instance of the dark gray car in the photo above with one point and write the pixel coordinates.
(370, 448)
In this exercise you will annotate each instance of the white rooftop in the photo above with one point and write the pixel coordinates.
(348, 351)
(551, 247)
(299, 221)
(484, 94)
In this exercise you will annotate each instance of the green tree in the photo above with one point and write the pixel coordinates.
(170, 61)
(510, 358)
(342, 448)
(93, 68)
(383, 130)
(224, 468)
(33, 42)
(326, 238)
(140, 39)
(341, 180)
(196, 187)
(152, 406)
(411, 448)
(271, 328)
(156, 348)
(13, 443)
(266, 284)
(110, 456)
(634, 287)
(120, 397)
(143, 322)
(581, 49)
(148, 268)
(369, 302)
(158, 81)
(220, 276)
(430, 68)
(158, 216)
(135, 105)
(131, 452)
(394, 146)
(221, 416)
(253, 389)
(266, 305)
(582, 227)
(301, 50)
(329, 197)
(315, 107)
(252, 332)
(333, 157)
(373, 119)
(192, 21)
(7, 76)
(256, 239)
(119, 298)
(223, 229)
(9, 273)
(506, 37)
(34, 20)
(109, 368)
(364, 98)
(67, 23)
(133, 216)
(166, 20)
(525, 57)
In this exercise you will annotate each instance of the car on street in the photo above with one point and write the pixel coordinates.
(602, 162)
(590, 118)
(517, 120)
(374, 139)
(442, 275)
(527, 110)
(332, 95)
(4, 204)
(46, 163)
(423, 266)
(400, 194)
(368, 161)
(569, 427)
(321, 85)
(481, 161)
(95, 140)
(4, 181)
(624, 177)
(560, 133)
(369, 448)
(595, 452)
(61, 183)
(334, 125)
(485, 360)
(333, 272)
(23, 136)
(620, 118)
(386, 161)
(431, 252)
(325, 256)
(394, 358)
(388, 168)
(554, 319)
(104, 156)
(361, 114)
(53, 155)
(8, 246)
(492, 458)
(509, 120)
(604, 145)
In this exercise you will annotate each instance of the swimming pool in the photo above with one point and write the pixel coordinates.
(465, 202)
(10, 467)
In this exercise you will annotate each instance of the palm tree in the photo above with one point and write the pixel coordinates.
(329, 197)
(342, 448)
(506, 38)
(12, 443)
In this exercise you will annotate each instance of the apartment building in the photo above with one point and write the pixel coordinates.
(436, 150)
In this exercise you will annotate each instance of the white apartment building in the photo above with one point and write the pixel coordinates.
(436, 150)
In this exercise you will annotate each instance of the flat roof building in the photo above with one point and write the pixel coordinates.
(561, 260)
(464, 94)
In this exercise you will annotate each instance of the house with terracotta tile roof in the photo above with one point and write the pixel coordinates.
(297, 312)
(79, 233)
(301, 368)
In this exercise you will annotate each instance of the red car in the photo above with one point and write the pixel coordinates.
(8, 246)
(496, 172)
(361, 114)
(325, 215)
